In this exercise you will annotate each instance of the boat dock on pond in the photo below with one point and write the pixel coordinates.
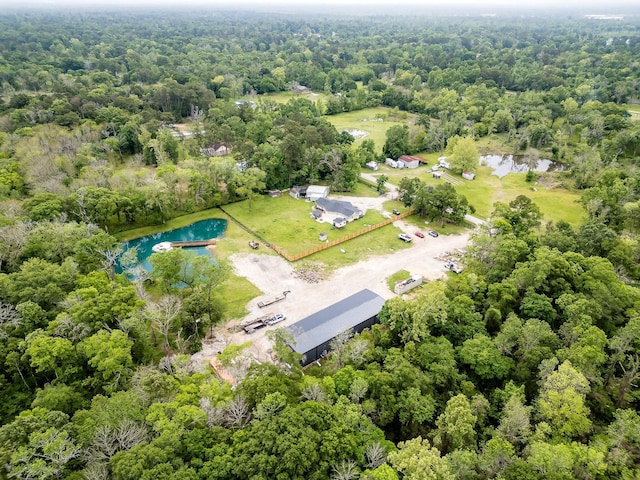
(194, 243)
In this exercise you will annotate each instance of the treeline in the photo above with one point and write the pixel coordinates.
(525, 366)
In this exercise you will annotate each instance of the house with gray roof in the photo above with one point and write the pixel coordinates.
(339, 207)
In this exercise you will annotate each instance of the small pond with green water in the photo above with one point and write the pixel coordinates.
(202, 230)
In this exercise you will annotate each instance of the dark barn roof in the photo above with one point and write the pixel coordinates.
(325, 324)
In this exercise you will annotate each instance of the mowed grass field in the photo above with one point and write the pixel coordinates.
(634, 110)
(287, 223)
(374, 121)
(555, 203)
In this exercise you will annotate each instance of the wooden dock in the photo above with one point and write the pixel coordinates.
(194, 243)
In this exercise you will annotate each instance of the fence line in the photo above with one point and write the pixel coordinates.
(333, 243)
(247, 229)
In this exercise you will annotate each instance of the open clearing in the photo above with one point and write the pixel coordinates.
(555, 202)
(374, 121)
(273, 275)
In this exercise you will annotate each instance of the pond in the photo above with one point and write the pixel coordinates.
(202, 230)
(505, 164)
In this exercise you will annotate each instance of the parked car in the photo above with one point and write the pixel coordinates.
(453, 267)
(404, 237)
(433, 233)
(419, 234)
(277, 318)
(396, 212)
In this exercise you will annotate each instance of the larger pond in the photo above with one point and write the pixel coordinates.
(202, 230)
(504, 164)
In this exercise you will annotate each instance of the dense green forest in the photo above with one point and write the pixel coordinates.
(525, 366)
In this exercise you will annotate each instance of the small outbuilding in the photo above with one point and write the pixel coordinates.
(442, 161)
(298, 191)
(314, 192)
(393, 163)
(408, 284)
(312, 336)
(409, 162)
(339, 222)
(468, 175)
(372, 166)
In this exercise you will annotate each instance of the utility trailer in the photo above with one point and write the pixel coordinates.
(251, 325)
(275, 299)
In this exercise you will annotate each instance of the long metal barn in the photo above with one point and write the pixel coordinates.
(312, 335)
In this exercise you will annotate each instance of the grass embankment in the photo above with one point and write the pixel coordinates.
(287, 223)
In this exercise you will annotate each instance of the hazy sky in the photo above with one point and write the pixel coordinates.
(600, 5)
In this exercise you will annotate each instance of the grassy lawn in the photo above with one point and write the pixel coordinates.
(365, 120)
(555, 203)
(377, 242)
(363, 189)
(633, 109)
(286, 222)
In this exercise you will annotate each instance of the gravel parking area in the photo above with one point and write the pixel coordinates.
(274, 275)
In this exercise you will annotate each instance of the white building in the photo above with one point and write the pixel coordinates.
(314, 192)
(372, 166)
(393, 163)
(409, 161)
(442, 161)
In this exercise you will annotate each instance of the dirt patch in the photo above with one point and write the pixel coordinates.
(310, 272)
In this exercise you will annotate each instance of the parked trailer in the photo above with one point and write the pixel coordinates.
(275, 299)
(250, 326)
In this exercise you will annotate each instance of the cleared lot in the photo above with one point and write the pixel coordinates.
(273, 275)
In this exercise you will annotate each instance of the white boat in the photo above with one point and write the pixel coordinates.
(162, 247)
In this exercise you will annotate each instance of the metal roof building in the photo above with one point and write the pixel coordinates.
(312, 335)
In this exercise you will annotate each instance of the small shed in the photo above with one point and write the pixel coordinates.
(372, 166)
(316, 213)
(298, 191)
(437, 175)
(409, 161)
(468, 175)
(314, 192)
(275, 193)
(339, 222)
(322, 237)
